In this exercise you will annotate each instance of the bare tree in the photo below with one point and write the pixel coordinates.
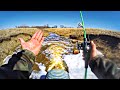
(61, 26)
(55, 26)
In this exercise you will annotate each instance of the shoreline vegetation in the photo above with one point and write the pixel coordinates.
(107, 41)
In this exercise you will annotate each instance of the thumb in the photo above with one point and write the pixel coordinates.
(21, 40)
(93, 50)
(93, 46)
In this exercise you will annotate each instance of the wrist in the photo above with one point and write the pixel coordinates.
(27, 52)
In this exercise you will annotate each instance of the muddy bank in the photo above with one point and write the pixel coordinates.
(108, 45)
(15, 35)
(112, 41)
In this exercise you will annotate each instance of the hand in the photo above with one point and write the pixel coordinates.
(95, 52)
(34, 45)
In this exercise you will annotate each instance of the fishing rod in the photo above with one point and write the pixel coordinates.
(85, 46)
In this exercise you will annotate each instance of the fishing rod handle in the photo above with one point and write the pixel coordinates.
(86, 47)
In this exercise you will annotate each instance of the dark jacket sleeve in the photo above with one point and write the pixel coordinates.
(104, 69)
(19, 66)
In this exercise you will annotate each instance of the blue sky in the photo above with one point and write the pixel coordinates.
(93, 19)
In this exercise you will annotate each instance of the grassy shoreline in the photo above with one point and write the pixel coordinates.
(9, 39)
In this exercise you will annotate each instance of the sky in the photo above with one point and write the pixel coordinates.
(109, 20)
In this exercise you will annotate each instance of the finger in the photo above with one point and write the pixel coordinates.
(21, 40)
(41, 41)
(93, 51)
(93, 46)
(40, 37)
(33, 37)
(36, 50)
(38, 34)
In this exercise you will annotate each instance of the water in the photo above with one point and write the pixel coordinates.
(57, 48)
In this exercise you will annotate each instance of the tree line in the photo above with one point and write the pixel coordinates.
(44, 26)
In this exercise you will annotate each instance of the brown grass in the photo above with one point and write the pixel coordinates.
(9, 40)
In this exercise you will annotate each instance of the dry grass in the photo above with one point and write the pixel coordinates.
(9, 40)
(79, 32)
